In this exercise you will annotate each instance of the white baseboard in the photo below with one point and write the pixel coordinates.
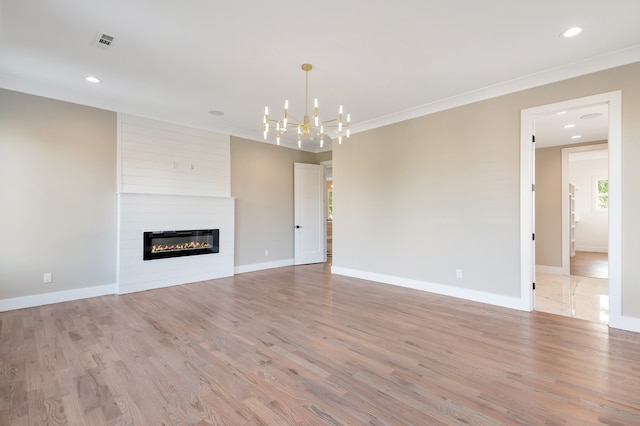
(55, 297)
(593, 249)
(553, 270)
(625, 323)
(136, 288)
(262, 266)
(445, 290)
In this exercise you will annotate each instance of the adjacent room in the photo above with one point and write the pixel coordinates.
(344, 213)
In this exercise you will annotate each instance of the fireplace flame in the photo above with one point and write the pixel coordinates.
(178, 247)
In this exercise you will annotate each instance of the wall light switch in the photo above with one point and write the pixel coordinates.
(458, 273)
(47, 277)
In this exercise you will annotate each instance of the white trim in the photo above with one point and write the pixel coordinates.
(614, 100)
(136, 288)
(619, 58)
(553, 270)
(526, 209)
(56, 297)
(593, 249)
(588, 66)
(445, 290)
(565, 226)
(615, 210)
(262, 266)
(625, 323)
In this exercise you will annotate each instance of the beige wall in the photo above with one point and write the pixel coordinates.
(58, 192)
(416, 199)
(420, 198)
(324, 156)
(548, 214)
(262, 182)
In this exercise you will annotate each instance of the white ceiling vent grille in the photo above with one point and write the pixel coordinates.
(105, 40)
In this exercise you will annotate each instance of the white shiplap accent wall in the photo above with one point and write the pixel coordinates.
(149, 212)
(171, 177)
(163, 158)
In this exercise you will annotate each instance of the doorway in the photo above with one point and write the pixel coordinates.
(579, 286)
(528, 119)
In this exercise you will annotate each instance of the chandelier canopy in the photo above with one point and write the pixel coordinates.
(309, 126)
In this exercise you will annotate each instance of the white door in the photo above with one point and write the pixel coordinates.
(309, 213)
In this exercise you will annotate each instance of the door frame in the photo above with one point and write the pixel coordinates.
(527, 155)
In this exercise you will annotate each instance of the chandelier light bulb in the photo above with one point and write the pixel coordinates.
(306, 127)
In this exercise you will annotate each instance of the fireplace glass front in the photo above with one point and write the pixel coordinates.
(164, 244)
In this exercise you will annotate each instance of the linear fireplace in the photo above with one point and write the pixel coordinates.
(164, 244)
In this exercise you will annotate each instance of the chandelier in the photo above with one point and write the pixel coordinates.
(309, 125)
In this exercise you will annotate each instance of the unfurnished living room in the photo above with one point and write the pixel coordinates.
(309, 213)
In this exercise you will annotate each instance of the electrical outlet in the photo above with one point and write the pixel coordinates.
(47, 277)
(458, 273)
(266, 252)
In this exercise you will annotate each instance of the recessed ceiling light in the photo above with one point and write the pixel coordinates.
(592, 115)
(561, 112)
(216, 113)
(568, 126)
(92, 79)
(571, 32)
(576, 137)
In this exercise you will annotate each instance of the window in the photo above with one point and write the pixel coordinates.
(601, 193)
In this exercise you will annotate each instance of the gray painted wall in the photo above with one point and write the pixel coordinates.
(416, 199)
(58, 191)
(549, 206)
(421, 198)
(262, 182)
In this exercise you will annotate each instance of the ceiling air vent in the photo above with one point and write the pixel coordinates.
(105, 40)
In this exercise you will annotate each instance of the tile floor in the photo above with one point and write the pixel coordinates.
(575, 296)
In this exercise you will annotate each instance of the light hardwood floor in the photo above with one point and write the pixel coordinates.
(590, 264)
(296, 345)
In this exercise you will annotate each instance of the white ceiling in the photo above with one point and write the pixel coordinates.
(589, 124)
(384, 61)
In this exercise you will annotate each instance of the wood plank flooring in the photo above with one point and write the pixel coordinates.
(590, 264)
(296, 345)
